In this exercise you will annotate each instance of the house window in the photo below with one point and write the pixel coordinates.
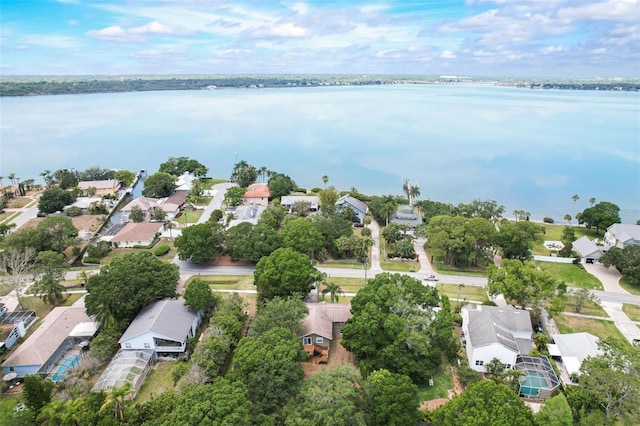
(479, 362)
(508, 367)
(306, 341)
(127, 345)
(319, 339)
(147, 346)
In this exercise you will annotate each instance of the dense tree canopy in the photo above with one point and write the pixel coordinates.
(198, 295)
(328, 198)
(330, 397)
(383, 207)
(394, 327)
(54, 233)
(280, 312)
(269, 366)
(332, 227)
(392, 399)
(127, 284)
(626, 260)
(54, 199)
(200, 243)
(234, 239)
(600, 216)
(461, 241)
(280, 185)
(484, 403)
(233, 196)
(50, 268)
(555, 412)
(522, 282)
(159, 185)
(244, 174)
(178, 165)
(516, 239)
(301, 235)
(284, 273)
(489, 210)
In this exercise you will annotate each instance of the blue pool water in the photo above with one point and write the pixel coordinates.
(533, 383)
(71, 361)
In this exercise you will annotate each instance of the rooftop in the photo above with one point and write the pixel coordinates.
(168, 318)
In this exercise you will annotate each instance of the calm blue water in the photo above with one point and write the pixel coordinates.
(529, 150)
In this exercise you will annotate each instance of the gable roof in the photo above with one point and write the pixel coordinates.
(625, 232)
(142, 231)
(55, 328)
(147, 203)
(586, 248)
(507, 326)
(257, 190)
(290, 200)
(178, 197)
(353, 202)
(405, 215)
(168, 318)
(574, 348)
(322, 316)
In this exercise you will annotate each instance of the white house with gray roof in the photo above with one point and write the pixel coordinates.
(164, 326)
(622, 235)
(495, 332)
(287, 201)
(358, 207)
(587, 249)
(571, 350)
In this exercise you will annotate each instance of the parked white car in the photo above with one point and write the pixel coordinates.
(430, 277)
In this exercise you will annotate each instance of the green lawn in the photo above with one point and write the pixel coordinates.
(442, 382)
(599, 328)
(572, 275)
(632, 311)
(342, 264)
(441, 268)
(5, 288)
(395, 265)
(588, 307)
(158, 381)
(633, 289)
(122, 251)
(348, 285)
(553, 232)
(189, 216)
(227, 282)
(468, 292)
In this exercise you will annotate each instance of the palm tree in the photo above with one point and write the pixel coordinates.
(168, 225)
(1, 177)
(325, 179)
(575, 197)
(115, 400)
(592, 201)
(12, 177)
(333, 290)
(414, 192)
(567, 217)
(388, 207)
(263, 172)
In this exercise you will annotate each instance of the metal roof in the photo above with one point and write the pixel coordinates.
(169, 319)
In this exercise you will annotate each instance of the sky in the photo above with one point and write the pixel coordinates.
(502, 38)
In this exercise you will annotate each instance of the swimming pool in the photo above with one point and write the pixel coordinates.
(532, 383)
(71, 361)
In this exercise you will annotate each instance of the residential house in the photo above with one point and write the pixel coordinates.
(249, 214)
(571, 350)
(358, 207)
(185, 182)
(405, 215)
(10, 333)
(587, 249)
(103, 187)
(164, 326)
(322, 325)
(134, 234)
(171, 206)
(495, 332)
(257, 193)
(622, 235)
(63, 330)
(288, 201)
(14, 325)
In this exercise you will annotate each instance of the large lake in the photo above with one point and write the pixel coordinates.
(526, 149)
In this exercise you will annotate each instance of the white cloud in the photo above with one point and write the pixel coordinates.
(552, 49)
(448, 54)
(72, 22)
(620, 11)
(117, 33)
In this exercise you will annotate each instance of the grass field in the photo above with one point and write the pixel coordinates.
(633, 289)
(632, 311)
(343, 264)
(207, 183)
(159, 380)
(588, 307)
(572, 275)
(553, 232)
(442, 382)
(227, 282)
(189, 217)
(599, 328)
(348, 285)
(122, 251)
(468, 292)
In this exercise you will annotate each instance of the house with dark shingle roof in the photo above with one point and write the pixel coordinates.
(164, 326)
(495, 332)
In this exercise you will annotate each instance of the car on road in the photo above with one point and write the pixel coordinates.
(430, 277)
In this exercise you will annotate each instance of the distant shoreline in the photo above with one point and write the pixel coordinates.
(13, 86)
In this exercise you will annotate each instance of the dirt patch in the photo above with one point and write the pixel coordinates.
(226, 261)
(84, 224)
(337, 355)
(433, 404)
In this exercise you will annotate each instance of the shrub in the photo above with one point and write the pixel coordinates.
(99, 250)
(91, 261)
(161, 250)
(366, 232)
(548, 220)
(74, 211)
